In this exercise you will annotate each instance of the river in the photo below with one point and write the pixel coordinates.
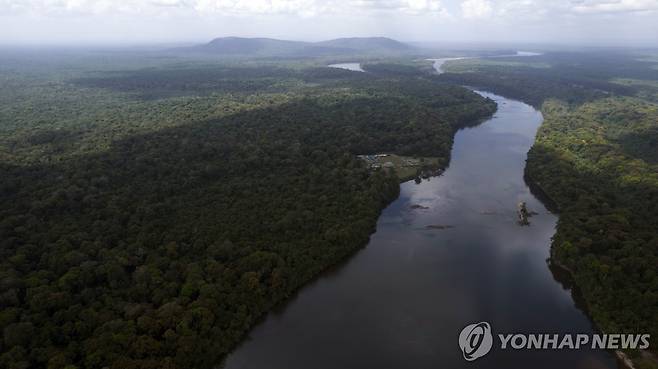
(355, 67)
(401, 301)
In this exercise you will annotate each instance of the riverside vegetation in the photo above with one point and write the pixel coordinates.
(596, 157)
(154, 207)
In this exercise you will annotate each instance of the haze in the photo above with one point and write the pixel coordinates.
(590, 22)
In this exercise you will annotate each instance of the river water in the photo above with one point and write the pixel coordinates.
(355, 67)
(401, 301)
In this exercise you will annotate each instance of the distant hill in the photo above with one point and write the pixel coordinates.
(368, 44)
(240, 46)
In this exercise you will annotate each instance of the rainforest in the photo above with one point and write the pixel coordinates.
(157, 206)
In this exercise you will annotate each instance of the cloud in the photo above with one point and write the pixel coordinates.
(535, 10)
(166, 20)
(470, 9)
(57, 7)
(318, 7)
(406, 6)
(613, 6)
(258, 7)
(303, 8)
(476, 9)
(170, 3)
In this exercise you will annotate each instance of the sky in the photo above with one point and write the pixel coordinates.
(573, 22)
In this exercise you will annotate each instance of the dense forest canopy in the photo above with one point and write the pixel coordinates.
(154, 206)
(570, 77)
(596, 157)
(151, 214)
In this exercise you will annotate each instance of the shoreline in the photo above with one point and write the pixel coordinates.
(278, 306)
(353, 251)
(623, 360)
(608, 359)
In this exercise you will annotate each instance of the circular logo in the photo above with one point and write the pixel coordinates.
(475, 340)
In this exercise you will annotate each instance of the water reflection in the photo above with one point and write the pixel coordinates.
(438, 63)
(355, 67)
(401, 301)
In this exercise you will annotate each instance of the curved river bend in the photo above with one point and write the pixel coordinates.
(354, 67)
(402, 301)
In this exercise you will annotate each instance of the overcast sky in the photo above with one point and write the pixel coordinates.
(593, 22)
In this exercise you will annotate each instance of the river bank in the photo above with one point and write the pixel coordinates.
(404, 297)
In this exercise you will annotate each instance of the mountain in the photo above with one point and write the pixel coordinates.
(240, 46)
(368, 44)
(250, 46)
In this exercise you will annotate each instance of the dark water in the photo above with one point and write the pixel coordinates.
(402, 301)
